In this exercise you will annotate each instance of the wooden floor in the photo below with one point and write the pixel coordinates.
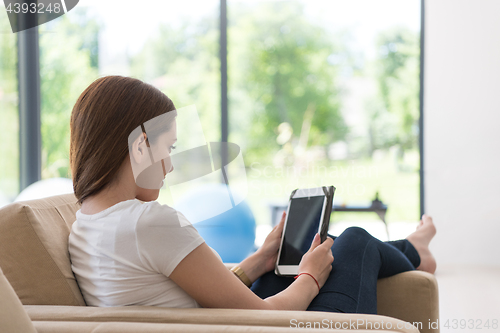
(470, 293)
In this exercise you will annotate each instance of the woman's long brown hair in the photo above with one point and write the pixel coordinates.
(102, 119)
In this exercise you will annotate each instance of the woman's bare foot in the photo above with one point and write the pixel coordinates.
(420, 239)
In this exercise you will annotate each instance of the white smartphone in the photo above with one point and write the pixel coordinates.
(308, 213)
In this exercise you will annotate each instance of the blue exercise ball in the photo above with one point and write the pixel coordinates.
(232, 232)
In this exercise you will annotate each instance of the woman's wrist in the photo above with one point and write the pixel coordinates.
(240, 273)
(312, 276)
(309, 281)
(253, 266)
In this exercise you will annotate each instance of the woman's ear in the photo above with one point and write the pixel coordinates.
(139, 148)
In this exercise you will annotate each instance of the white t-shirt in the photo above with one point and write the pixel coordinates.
(124, 254)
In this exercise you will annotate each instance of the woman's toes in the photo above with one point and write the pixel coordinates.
(420, 224)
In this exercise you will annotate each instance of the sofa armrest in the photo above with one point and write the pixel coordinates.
(412, 297)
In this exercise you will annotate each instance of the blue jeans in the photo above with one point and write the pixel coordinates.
(359, 260)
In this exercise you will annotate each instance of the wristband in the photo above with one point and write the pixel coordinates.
(241, 275)
(310, 276)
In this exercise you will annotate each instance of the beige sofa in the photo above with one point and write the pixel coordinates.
(35, 261)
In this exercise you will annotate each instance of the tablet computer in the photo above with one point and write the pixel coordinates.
(308, 213)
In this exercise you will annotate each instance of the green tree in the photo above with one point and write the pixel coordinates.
(68, 64)
(9, 117)
(183, 63)
(279, 69)
(398, 81)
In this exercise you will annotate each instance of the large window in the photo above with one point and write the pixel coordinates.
(173, 48)
(320, 92)
(327, 92)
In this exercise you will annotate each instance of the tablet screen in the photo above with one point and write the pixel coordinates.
(303, 222)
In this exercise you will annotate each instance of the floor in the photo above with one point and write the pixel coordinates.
(469, 296)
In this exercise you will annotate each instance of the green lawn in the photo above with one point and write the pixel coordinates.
(356, 183)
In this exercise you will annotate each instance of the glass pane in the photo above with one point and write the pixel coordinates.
(327, 93)
(171, 46)
(9, 115)
(68, 64)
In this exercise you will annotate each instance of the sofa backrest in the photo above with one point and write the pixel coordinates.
(34, 250)
(13, 317)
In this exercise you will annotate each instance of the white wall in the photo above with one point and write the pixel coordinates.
(462, 129)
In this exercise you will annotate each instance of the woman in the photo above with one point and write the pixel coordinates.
(125, 252)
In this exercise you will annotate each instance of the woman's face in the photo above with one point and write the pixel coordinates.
(164, 144)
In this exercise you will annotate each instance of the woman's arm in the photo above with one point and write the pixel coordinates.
(205, 278)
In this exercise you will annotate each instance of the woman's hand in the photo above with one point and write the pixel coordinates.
(264, 259)
(318, 260)
(269, 250)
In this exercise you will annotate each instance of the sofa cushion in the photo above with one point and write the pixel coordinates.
(34, 250)
(113, 327)
(230, 317)
(13, 318)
